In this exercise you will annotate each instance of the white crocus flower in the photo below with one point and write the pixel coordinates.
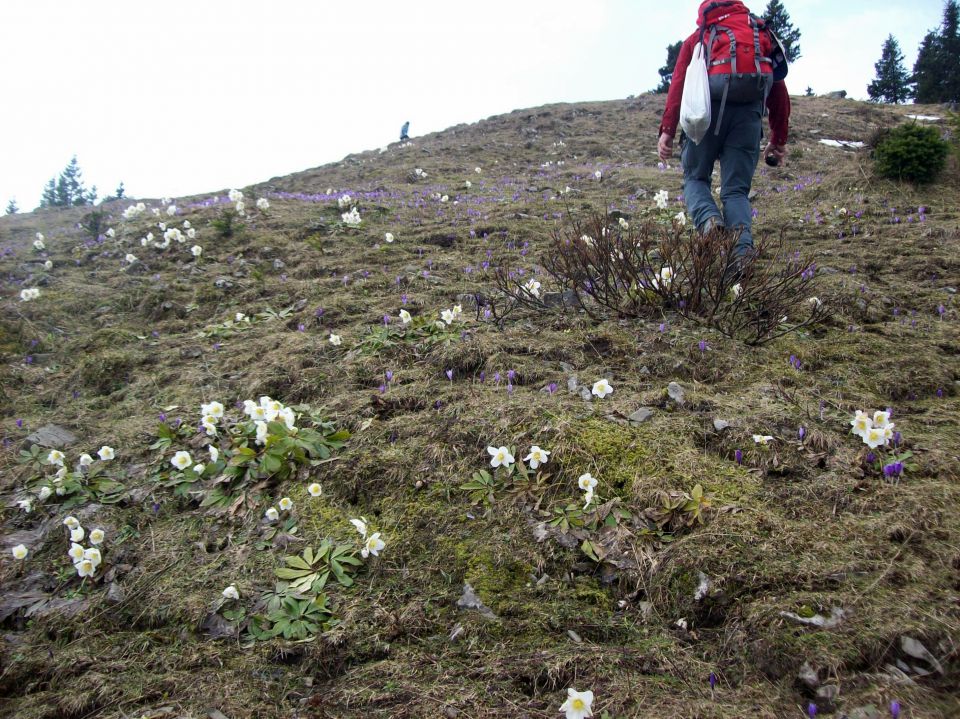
(624, 225)
(661, 199)
(881, 419)
(335, 340)
(861, 423)
(71, 522)
(374, 545)
(93, 554)
(77, 535)
(388, 237)
(598, 175)
(20, 551)
(181, 460)
(191, 233)
(76, 552)
(44, 493)
(286, 504)
(477, 170)
(263, 203)
(48, 265)
(447, 316)
(763, 439)
(601, 388)
(262, 431)
(258, 413)
(172, 210)
(272, 514)
(586, 482)
(351, 218)
(289, 418)
(55, 457)
(736, 290)
(162, 226)
(875, 437)
(111, 233)
(501, 457)
(533, 287)
(537, 457)
(130, 258)
(26, 505)
(196, 250)
(214, 409)
(31, 293)
(214, 453)
(96, 536)
(361, 525)
(235, 195)
(85, 568)
(198, 468)
(106, 453)
(231, 593)
(240, 208)
(681, 219)
(405, 317)
(467, 184)
(578, 704)
(314, 489)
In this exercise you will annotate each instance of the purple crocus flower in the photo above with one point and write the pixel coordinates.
(552, 387)
(496, 378)
(301, 327)
(450, 375)
(738, 455)
(663, 327)
(871, 458)
(511, 374)
(389, 375)
(713, 681)
(895, 709)
(811, 710)
(702, 344)
(163, 417)
(509, 389)
(801, 433)
(940, 392)
(383, 388)
(319, 312)
(19, 424)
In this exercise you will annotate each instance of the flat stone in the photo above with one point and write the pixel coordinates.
(572, 384)
(676, 393)
(52, 436)
(585, 394)
(826, 697)
(720, 424)
(641, 415)
(808, 678)
(567, 298)
(279, 264)
(470, 600)
(223, 283)
(869, 711)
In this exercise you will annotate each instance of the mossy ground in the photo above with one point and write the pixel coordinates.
(795, 526)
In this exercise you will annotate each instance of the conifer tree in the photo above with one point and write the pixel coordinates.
(12, 208)
(68, 189)
(892, 83)
(778, 19)
(119, 191)
(936, 72)
(666, 72)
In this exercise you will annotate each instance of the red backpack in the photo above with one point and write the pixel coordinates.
(740, 53)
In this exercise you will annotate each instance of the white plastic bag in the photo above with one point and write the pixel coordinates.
(695, 105)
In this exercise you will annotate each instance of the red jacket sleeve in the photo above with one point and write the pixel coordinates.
(671, 115)
(778, 103)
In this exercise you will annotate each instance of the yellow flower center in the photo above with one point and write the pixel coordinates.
(578, 704)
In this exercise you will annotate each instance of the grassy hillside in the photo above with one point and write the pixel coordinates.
(639, 603)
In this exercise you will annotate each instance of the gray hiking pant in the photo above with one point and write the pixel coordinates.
(737, 146)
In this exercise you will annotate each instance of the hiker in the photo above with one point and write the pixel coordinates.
(404, 130)
(742, 87)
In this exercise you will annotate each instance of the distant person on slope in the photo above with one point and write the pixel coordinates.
(743, 84)
(404, 130)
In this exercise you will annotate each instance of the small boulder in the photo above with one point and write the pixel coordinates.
(640, 416)
(676, 393)
(52, 436)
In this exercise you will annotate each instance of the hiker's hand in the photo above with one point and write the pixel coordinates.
(777, 151)
(665, 147)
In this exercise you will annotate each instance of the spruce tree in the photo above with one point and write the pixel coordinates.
(12, 208)
(666, 72)
(936, 72)
(67, 189)
(778, 19)
(119, 191)
(892, 83)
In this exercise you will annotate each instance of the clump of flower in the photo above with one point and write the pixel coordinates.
(876, 430)
(263, 204)
(587, 483)
(661, 199)
(352, 218)
(31, 293)
(134, 211)
(344, 201)
(38, 244)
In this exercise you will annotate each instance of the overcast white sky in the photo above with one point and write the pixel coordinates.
(191, 96)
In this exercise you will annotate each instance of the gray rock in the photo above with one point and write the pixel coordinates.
(641, 415)
(912, 648)
(568, 298)
(836, 95)
(190, 352)
(676, 393)
(52, 436)
(951, 290)
(567, 367)
(279, 264)
(808, 678)
(585, 394)
(867, 712)
(826, 697)
(223, 283)
(468, 301)
(720, 424)
(115, 593)
(470, 600)
(572, 384)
